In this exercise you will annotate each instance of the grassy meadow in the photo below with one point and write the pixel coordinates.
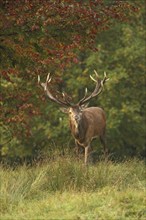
(64, 188)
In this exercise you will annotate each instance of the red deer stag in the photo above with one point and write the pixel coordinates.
(86, 123)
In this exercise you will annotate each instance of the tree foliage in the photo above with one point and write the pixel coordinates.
(64, 37)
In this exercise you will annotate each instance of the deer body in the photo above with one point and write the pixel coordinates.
(85, 123)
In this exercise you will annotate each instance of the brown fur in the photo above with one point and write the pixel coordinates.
(90, 123)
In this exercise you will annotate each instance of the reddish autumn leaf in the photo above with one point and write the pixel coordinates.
(37, 36)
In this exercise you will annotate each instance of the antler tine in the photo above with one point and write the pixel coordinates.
(97, 76)
(98, 88)
(85, 96)
(102, 83)
(96, 73)
(93, 78)
(39, 79)
(105, 77)
(86, 92)
(48, 79)
(64, 96)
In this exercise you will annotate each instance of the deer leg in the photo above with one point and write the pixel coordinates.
(86, 153)
(103, 142)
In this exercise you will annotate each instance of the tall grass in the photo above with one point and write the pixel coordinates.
(65, 174)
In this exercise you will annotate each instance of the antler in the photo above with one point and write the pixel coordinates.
(98, 88)
(45, 86)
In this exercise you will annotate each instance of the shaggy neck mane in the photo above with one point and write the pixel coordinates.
(79, 129)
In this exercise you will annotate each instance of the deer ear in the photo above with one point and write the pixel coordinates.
(64, 110)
